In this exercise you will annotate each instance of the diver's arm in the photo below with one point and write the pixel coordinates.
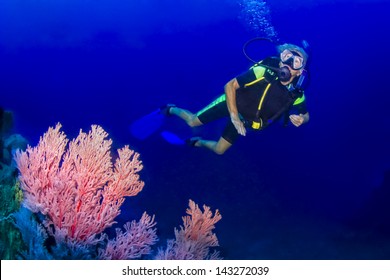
(300, 119)
(230, 91)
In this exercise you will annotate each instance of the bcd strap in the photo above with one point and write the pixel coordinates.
(259, 123)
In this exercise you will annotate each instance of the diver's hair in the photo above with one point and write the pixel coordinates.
(294, 48)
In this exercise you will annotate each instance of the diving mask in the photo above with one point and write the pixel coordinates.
(292, 59)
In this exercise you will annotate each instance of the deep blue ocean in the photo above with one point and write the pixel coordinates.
(320, 191)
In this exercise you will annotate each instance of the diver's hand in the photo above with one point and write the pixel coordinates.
(297, 120)
(238, 124)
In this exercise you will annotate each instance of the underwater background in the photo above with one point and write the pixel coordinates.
(318, 192)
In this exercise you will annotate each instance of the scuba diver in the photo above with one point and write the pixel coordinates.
(253, 100)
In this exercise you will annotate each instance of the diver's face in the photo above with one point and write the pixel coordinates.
(292, 58)
(294, 73)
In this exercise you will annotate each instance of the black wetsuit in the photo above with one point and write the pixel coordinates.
(259, 87)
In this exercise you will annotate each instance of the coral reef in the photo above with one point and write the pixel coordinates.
(10, 192)
(10, 239)
(79, 191)
(71, 192)
(194, 239)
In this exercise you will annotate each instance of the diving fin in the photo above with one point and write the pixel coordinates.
(172, 138)
(147, 125)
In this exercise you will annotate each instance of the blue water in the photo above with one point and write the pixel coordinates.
(317, 192)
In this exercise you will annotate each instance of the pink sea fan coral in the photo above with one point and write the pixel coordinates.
(134, 242)
(195, 238)
(75, 184)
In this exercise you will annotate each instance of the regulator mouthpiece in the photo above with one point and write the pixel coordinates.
(284, 74)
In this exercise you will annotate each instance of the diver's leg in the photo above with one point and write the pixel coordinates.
(219, 147)
(228, 138)
(213, 111)
(190, 118)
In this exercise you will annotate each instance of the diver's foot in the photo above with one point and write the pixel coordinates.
(165, 110)
(193, 141)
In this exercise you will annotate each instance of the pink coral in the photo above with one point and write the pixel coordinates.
(193, 241)
(134, 242)
(77, 186)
